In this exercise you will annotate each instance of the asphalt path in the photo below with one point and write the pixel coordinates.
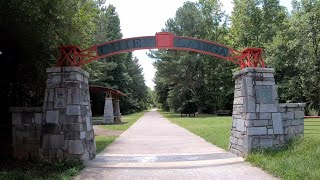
(156, 149)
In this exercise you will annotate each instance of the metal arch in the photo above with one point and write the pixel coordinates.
(74, 56)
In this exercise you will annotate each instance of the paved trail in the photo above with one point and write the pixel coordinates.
(156, 149)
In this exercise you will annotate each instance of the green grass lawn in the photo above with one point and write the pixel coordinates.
(127, 120)
(214, 129)
(300, 160)
(10, 169)
(103, 141)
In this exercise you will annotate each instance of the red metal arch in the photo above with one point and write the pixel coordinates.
(74, 56)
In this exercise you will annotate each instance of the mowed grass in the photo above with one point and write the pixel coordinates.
(103, 141)
(214, 129)
(127, 121)
(298, 161)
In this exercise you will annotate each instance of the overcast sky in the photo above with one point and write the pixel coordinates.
(146, 17)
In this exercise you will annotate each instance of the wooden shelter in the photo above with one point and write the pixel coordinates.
(111, 112)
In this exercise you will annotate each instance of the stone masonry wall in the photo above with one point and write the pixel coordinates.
(258, 120)
(293, 119)
(67, 132)
(26, 132)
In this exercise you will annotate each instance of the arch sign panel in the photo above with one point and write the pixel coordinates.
(74, 56)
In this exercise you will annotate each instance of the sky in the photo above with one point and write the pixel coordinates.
(147, 17)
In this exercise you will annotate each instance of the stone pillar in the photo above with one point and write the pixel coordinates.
(108, 116)
(67, 132)
(116, 110)
(256, 118)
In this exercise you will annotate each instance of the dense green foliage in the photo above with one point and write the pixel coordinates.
(290, 40)
(184, 77)
(31, 31)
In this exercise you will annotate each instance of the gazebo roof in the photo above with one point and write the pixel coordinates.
(95, 88)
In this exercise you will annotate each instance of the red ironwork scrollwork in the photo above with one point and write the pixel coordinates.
(74, 56)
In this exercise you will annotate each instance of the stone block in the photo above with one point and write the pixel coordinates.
(237, 109)
(74, 135)
(27, 118)
(72, 127)
(51, 95)
(85, 157)
(238, 100)
(287, 115)
(16, 119)
(287, 123)
(237, 116)
(240, 125)
(51, 128)
(247, 87)
(82, 135)
(76, 147)
(74, 76)
(56, 78)
(248, 116)
(295, 122)
(89, 135)
(256, 131)
(268, 108)
(264, 115)
(266, 143)
(277, 123)
(299, 114)
(60, 98)
(268, 75)
(270, 131)
(76, 69)
(237, 94)
(249, 104)
(260, 122)
(248, 123)
(84, 110)
(73, 110)
(50, 141)
(74, 96)
(52, 117)
(236, 134)
(292, 105)
(265, 83)
(88, 123)
(38, 118)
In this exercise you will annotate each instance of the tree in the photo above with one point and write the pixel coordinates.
(187, 77)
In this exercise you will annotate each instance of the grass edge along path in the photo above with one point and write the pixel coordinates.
(299, 160)
(128, 120)
(214, 129)
(63, 170)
